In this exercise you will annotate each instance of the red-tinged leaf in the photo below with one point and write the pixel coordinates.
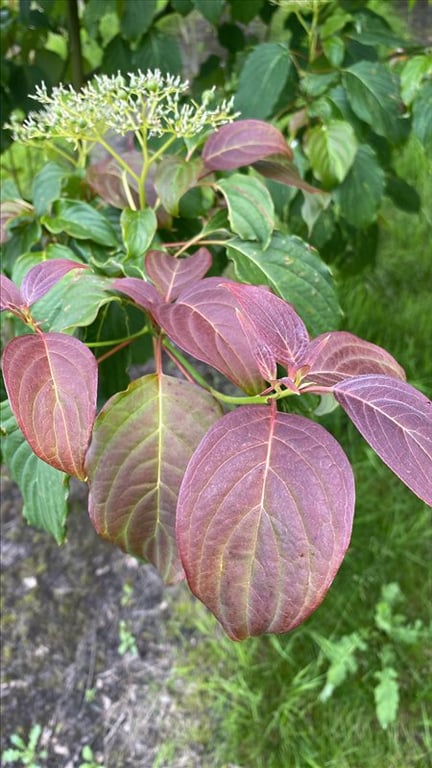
(40, 278)
(396, 420)
(340, 355)
(243, 143)
(279, 168)
(264, 519)
(10, 295)
(144, 294)
(51, 381)
(274, 321)
(108, 179)
(171, 275)
(142, 442)
(204, 322)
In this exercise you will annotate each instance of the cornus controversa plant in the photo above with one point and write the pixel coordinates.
(238, 493)
(253, 506)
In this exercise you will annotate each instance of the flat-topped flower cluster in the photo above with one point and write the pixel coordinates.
(149, 104)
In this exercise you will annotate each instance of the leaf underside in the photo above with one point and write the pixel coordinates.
(396, 420)
(51, 381)
(142, 441)
(264, 519)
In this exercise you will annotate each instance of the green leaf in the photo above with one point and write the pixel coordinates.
(422, 116)
(73, 302)
(386, 695)
(338, 19)
(250, 207)
(412, 75)
(137, 18)
(210, 9)
(138, 231)
(47, 510)
(245, 12)
(80, 220)
(374, 96)
(334, 49)
(403, 194)
(331, 149)
(360, 194)
(47, 186)
(295, 272)
(174, 176)
(157, 50)
(262, 80)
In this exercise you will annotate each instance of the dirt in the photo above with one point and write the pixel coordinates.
(64, 667)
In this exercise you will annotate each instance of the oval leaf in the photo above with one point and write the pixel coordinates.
(274, 322)
(294, 272)
(40, 278)
(138, 230)
(74, 301)
(331, 149)
(51, 381)
(264, 519)
(142, 441)
(263, 79)
(143, 293)
(242, 143)
(204, 323)
(172, 275)
(173, 177)
(396, 420)
(82, 221)
(341, 355)
(250, 207)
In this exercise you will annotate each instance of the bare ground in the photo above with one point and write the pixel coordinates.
(62, 610)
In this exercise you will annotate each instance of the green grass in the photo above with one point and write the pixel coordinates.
(256, 704)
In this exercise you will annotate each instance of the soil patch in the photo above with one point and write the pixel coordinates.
(85, 647)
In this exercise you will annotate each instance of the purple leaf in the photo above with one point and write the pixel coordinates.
(279, 168)
(243, 143)
(204, 322)
(396, 420)
(144, 294)
(343, 355)
(51, 381)
(142, 441)
(10, 295)
(172, 275)
(264, 519)
(106, 178)
(275, 323)
(40, 278)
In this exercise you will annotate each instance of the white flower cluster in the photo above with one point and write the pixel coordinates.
(150, 104)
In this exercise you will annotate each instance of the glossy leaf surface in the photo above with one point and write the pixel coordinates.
(73, 301)
(47, 510)
(142, 441)
(262, 80)
(138, 229)
(341, 355)
(51, 381)
(80, 220)
(250, 207)
(331, 149)
(396, 420)
(264, 519)
(242, 143)
(172, 275)
(204, 322)
(295, 273)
